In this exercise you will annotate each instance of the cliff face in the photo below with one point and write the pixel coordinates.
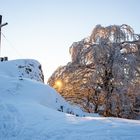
(104, 75)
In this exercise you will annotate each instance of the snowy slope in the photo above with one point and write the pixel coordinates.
(28, 111)
(27, 88)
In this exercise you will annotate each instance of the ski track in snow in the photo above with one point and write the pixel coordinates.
(10, 121)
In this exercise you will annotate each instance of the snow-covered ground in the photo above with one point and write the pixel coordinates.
(28, 111)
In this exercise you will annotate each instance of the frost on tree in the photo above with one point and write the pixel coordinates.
(104, 75)
(113, 34)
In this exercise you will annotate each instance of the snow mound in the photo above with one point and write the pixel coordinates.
(18, 85)
(26, 90)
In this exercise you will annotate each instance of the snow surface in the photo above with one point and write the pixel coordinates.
(28, 111)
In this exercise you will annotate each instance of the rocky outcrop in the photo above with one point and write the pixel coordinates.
(104, 75)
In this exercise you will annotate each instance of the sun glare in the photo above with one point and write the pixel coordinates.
(58, 84)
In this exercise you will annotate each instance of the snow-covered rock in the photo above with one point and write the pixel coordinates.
(23, 68)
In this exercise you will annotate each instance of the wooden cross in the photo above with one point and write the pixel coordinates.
(1, 25)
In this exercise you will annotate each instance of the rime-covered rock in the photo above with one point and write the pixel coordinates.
(23, 68)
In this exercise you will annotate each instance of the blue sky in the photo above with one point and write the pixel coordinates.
(45, 29)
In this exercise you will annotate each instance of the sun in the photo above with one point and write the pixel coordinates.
(58, 84)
